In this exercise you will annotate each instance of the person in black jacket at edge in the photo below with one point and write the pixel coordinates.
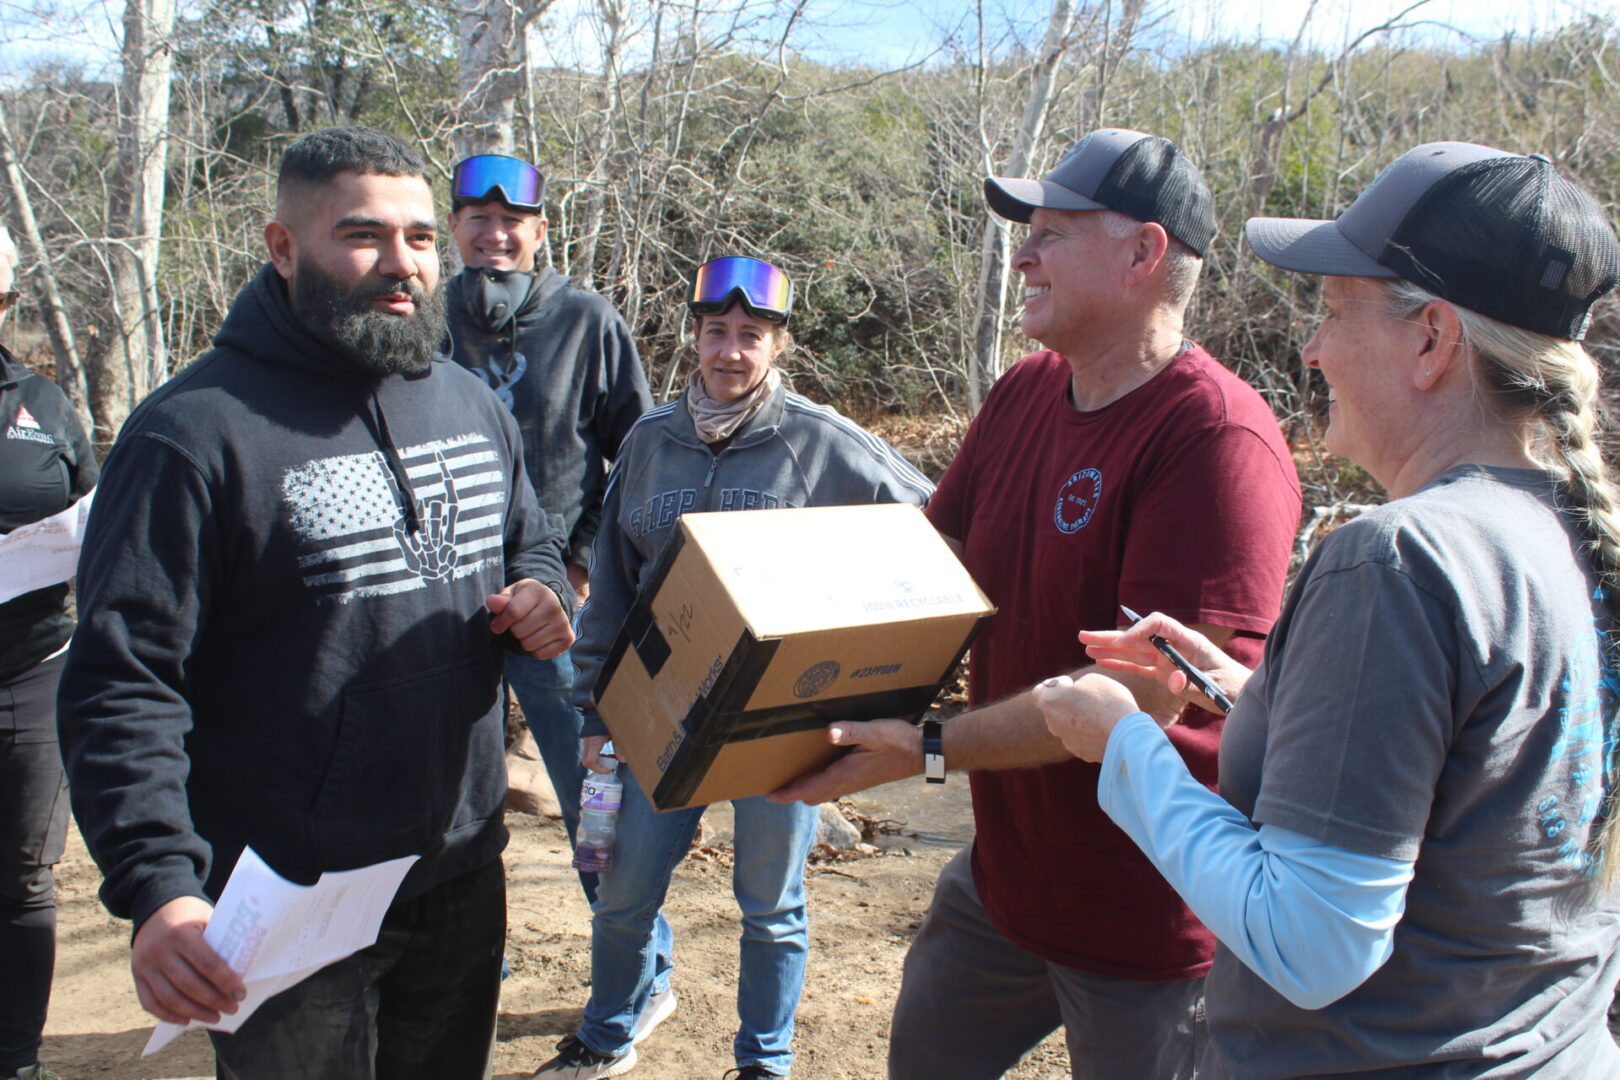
(311, 552)
(46, 465)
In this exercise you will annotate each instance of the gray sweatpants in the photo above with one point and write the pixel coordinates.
(972, 1004)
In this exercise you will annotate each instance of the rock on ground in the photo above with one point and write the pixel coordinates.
(835, 830)
(528, 787)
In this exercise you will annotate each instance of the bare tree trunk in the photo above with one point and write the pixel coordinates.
(993, 253)
(491, 44)
(1116, 43)
(135, 359)
(1268, 149)
(69, 368)
(602, 142)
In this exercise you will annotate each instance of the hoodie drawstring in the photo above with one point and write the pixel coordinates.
(396, 465)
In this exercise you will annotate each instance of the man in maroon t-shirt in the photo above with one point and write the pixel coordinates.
(1123, 466)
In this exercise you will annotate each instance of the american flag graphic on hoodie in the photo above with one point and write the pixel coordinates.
(349, 513)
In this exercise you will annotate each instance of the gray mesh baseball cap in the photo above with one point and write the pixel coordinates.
(1138, 175)
(1498, 233)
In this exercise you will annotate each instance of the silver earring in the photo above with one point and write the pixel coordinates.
(1425, 373)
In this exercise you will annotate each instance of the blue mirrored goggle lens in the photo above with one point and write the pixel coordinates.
(764, 288)
(480, 178)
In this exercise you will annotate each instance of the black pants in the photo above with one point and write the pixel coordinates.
(33, 830)
(420, 1003)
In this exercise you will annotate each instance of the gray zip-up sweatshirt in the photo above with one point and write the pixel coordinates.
(793, 453)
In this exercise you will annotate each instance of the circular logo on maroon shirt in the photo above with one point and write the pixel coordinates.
(1077, 500)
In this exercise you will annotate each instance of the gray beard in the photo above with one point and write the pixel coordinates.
(374, 341)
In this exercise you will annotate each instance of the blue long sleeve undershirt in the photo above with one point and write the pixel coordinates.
(1311, 919)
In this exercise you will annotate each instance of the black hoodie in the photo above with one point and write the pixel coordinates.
(46, 465)
(566, 365)
(283, 640)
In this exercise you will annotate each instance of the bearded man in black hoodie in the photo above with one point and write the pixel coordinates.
(312, 550)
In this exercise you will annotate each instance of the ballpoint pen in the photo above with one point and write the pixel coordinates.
(1201, 682)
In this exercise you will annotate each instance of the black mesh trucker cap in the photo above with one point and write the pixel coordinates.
(1497, 233)
(1140, 176)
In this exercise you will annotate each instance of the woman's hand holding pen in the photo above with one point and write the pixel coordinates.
(1131, 651)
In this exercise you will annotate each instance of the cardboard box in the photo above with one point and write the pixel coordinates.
(755, 629)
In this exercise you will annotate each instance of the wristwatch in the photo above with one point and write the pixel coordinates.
(933, 751)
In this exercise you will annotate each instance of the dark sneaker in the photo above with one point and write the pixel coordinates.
(753, 1072)
(576, 1061)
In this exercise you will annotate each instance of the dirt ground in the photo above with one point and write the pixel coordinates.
(863, 913)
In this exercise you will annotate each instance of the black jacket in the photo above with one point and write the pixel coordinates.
(283, 640)
(567, 367)
(46, 464)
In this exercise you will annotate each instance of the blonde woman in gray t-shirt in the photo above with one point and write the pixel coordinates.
(1410, 866)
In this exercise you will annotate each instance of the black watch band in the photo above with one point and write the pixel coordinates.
(933, 751)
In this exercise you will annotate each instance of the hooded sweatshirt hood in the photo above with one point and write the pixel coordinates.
(565, 365)
(262, 324)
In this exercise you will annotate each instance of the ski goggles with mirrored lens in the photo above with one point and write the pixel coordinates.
(763, 289)
(496, 176)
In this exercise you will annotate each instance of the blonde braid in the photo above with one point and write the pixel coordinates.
(1571, 419)
(1551, 384)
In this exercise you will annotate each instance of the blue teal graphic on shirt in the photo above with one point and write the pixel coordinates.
(1565, 814)
(1077, 500)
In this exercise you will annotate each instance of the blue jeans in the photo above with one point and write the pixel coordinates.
(772, 841)
(544, 690)
(418, 1005)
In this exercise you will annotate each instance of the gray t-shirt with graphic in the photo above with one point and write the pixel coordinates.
(1434, 692)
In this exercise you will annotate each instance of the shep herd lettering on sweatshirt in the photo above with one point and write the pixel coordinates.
(283, 641)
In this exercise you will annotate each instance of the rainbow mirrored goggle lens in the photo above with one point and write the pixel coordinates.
(764, 290)
(495, 176)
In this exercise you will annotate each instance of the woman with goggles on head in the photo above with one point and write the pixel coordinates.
(1410, 866)
(736, 439)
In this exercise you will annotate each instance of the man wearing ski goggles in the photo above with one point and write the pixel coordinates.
(495, 176)
(764, 290)
(496, 218)
(563, 361)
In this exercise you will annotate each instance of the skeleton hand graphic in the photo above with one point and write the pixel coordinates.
(430, 552)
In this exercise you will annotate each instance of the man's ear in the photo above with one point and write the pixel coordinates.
(282, 245)
(1149, 246)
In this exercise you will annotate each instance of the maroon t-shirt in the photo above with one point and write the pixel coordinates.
(1180, 497)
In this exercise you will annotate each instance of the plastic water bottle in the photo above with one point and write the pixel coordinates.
(599, 798)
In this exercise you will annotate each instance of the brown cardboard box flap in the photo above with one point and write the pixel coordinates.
(755, 629)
